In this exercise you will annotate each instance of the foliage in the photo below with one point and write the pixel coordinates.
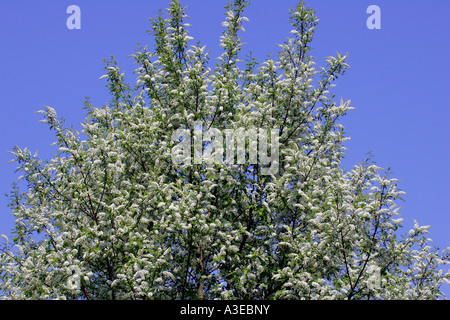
(112, 217)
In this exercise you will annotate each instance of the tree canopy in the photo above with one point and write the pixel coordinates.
(113, 216)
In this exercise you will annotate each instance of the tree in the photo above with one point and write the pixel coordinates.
(117, 213)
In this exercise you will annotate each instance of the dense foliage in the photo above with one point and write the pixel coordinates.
(111, 216)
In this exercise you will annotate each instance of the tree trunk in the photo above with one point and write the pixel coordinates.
(200, 295)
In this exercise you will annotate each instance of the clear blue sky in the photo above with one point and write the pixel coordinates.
(398, 81)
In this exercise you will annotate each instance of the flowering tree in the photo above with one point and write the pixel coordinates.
(113, 216)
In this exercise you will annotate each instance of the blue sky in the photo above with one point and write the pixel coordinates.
(398, 81)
